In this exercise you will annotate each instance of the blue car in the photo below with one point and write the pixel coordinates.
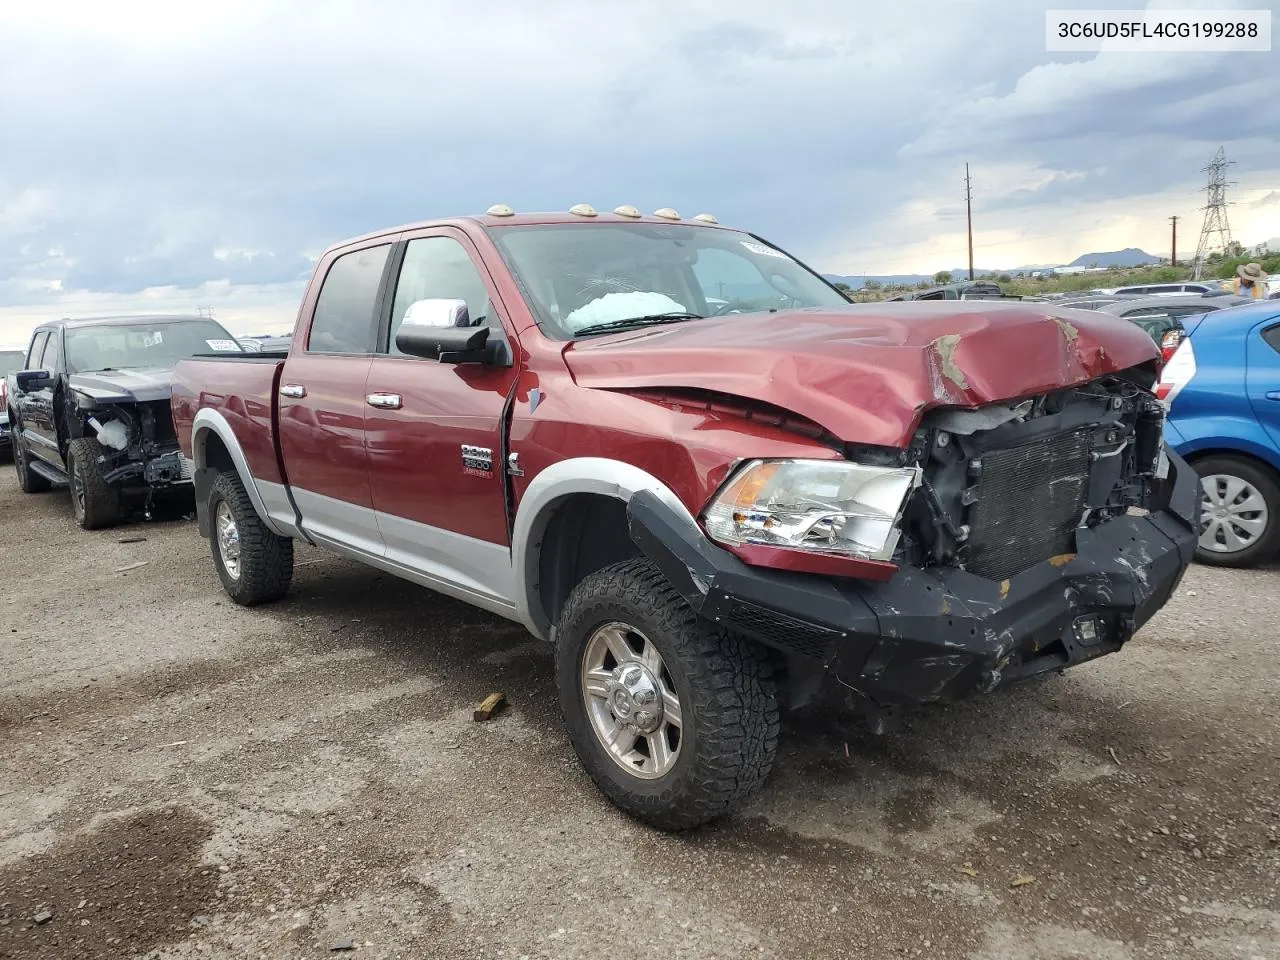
(1222, 387)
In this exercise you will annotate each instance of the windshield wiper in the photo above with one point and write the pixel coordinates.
(650, 320)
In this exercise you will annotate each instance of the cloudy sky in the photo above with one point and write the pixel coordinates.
(160, 155)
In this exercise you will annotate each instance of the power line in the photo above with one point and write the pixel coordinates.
(1215, 211)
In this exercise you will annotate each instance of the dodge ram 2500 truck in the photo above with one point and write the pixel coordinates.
(712, 483)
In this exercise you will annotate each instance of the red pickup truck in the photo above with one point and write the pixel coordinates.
(714, 485)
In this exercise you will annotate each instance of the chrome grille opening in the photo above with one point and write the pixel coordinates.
(1030, 499)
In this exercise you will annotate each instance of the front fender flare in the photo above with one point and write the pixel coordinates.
(543, 497)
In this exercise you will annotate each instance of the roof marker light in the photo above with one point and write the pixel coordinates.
(500, 210)
(583, 210)
(666, 213)
(627, 210)
(706, 218)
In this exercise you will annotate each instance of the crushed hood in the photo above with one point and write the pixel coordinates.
(123, 386)
(868, 373)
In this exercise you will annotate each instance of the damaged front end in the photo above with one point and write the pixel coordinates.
(140, 450)
(1043, 533)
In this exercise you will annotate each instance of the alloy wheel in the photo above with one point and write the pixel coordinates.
(227, 534)
(77, 487)
(631, 700)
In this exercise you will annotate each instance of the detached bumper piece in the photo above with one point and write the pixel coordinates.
(941, 633)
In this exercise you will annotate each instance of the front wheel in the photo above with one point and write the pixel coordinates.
(254, 564)
(676, 720)
(1239, 512)
(94, 502)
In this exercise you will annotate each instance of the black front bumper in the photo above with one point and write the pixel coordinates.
(939, 634)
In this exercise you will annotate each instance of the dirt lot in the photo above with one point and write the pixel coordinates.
(183, 778)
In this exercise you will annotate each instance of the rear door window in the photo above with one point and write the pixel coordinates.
(344, 320)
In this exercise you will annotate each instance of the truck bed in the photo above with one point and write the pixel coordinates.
(243, 389)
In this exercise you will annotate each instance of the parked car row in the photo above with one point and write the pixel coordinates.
(674, 452)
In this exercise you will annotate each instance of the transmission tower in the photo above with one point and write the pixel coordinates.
(1215, 212)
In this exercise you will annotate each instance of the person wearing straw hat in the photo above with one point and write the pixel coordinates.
(1250, 282)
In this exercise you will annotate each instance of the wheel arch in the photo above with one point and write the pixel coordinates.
(546, 551)
(214, 446)
(1251, 455)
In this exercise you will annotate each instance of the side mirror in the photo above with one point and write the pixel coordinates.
(33, 379)
(441, 330)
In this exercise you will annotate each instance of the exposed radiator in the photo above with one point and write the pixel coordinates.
(1030, 501)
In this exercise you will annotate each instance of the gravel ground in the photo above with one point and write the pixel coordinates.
(182, 778)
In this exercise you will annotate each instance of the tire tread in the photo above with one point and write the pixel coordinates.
(101, 499)
(266, 558)
(734, 692)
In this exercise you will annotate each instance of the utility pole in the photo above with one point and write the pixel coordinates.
(1173, 257)
(968, 211)
(1215, 212)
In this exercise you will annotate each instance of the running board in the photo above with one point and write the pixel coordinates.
(47, 470)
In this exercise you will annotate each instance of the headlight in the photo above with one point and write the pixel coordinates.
(820, 506)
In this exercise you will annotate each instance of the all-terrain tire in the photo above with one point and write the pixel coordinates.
(1267, 544)
(264, 561)
(94, 502)
(724, 683)
(28, 481)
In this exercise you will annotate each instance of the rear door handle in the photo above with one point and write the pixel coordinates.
(1273, 394)
(294, 390)
(387, 401)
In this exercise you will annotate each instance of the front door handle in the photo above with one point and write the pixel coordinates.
(387, 401)
(1273, 394)
(294, 390)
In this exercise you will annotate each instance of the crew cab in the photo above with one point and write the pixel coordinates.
(685, 460)
(89, 410)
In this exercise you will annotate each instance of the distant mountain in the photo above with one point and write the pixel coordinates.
(1128, 257)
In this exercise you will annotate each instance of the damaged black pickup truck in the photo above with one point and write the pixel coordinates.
(90, 410)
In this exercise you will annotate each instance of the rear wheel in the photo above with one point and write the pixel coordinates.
(94, 502)
(1239, 512)
(676, 720)
(254, 564)
(28, 481)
